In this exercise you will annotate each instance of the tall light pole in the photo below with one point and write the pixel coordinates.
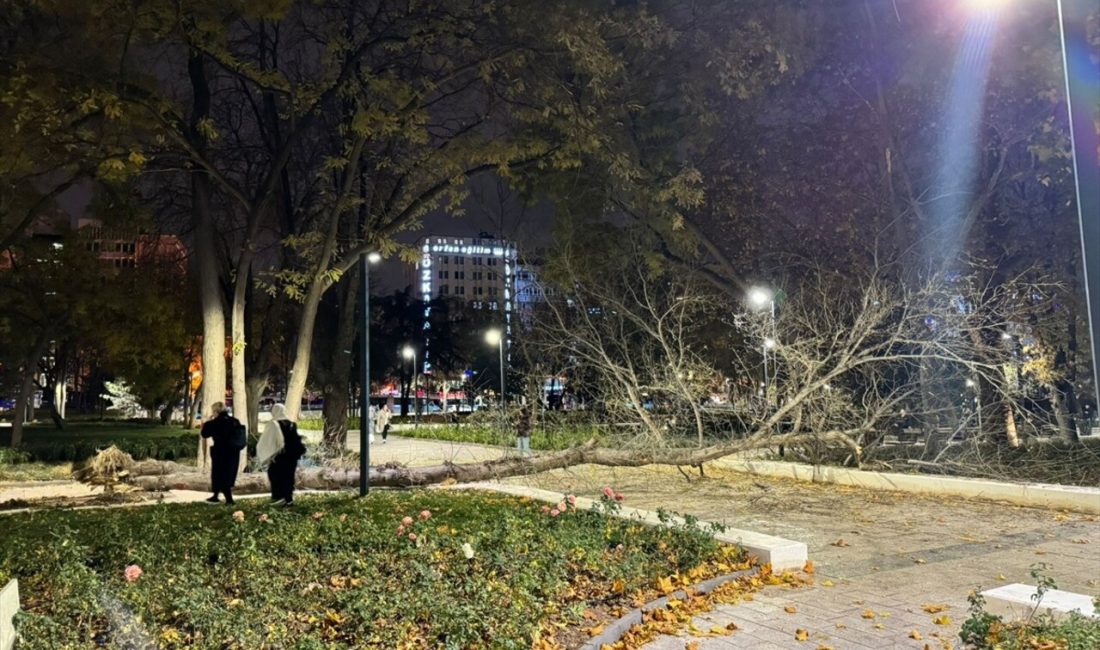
(364, 364)
(409, 353)
(760, 298)
(495, 337)
(1080, 73)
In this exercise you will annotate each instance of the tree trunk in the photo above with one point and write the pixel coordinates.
(320, 283)
(239, 369)
(299, 370)
(1012, 436)
(163, 475)
(26, 388)
(1067, 428)
(207, 257)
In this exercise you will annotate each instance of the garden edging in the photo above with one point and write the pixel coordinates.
(1035, 495)
(620, 626)
(782, 554)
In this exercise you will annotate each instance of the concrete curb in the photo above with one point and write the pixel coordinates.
(782, 554)
(1017, 602)
(1035, 495)
(9, 607)
(619, 627)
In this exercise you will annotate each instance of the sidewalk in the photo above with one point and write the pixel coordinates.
(886, 555)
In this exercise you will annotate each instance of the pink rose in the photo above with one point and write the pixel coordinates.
(317, 516)
(264, 518)
(572, 499)
(609, 493)
(425, 515)
(132, 573)
(562, 507)
(545, 510)
(619, 497)
(343, 517)
(400, 530)
(407, 521)
(555, 512)
(238, 515)
(412, 537)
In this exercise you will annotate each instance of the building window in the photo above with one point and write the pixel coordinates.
(460, 291)
(460, 260)
(444, 259)
(477, 261)
(477, 275)
(442, 275)
(460, 275)
(444, 290)
(492, 261)
(492, 291)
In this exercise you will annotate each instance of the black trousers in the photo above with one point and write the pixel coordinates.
(223, 472)
(280, 473)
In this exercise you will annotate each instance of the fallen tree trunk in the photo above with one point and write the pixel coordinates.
(165, 475)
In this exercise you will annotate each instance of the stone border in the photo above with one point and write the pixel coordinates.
(619, 627)
(9, 607)
(1018, 602)
(1035, 495)
(782, 554)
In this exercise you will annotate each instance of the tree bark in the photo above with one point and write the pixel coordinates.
(166, 475)
(26, 387)
(206, 254)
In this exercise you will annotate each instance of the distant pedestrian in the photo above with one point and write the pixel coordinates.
(383, 422)
(523, 430)
(229, 437)
(279, 449)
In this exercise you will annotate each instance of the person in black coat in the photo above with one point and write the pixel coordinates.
(224, 430)
(280, 448)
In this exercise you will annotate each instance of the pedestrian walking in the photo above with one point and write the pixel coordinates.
(229, 437)
(523, 430)
(383, 422)
(279, 450)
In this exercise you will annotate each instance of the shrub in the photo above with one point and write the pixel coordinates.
(398, 569)
(140, 447)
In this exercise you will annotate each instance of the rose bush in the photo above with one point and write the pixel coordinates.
(470, 570)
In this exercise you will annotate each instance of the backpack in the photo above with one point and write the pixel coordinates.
(292, 441)
(239, 437)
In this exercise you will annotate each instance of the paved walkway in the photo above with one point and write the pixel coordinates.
(880, 557)
(884, 554)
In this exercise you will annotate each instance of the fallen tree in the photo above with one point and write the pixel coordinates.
(156, 475)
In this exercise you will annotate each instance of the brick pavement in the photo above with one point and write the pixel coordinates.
(886, 554)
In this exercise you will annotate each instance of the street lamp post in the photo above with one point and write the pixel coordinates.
(409, 353)
(496, 337)
(364, 392)
(1080, 73)
(760, 298)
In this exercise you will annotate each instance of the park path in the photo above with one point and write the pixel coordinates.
(880, 557)
(883, 553)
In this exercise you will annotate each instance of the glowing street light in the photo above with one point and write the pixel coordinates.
(770, 343)
(760, 297)
(409, 353)
(495, 336)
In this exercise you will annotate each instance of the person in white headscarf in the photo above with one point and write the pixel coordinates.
(278, 450)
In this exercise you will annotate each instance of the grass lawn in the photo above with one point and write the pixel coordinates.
(482, 571)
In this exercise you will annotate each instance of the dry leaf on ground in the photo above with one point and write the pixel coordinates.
(801, 635)
(790, 609)
(934, 608)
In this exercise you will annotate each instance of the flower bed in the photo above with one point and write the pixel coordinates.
(399, 569)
